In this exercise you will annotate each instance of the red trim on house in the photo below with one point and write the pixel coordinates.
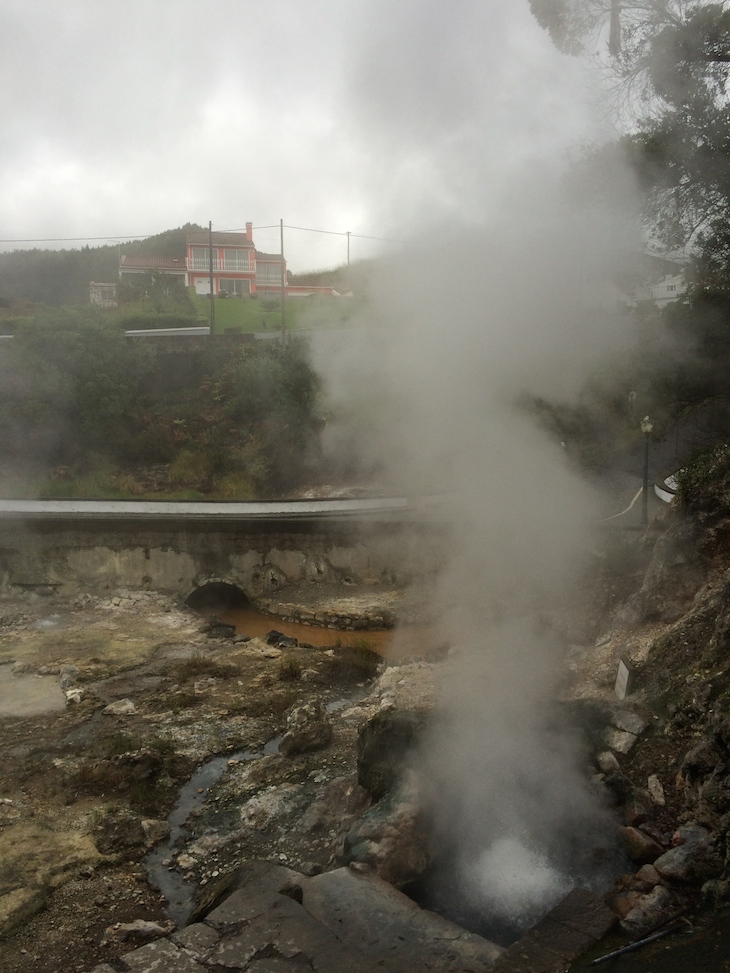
(238, 267)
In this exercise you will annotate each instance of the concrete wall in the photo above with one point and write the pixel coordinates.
(260, 558)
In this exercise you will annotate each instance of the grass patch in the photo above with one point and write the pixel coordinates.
(118, 744)
(272, 705)
(198, 665)
(290, 668)
(190, 468)
(235, 486)
(115, 744)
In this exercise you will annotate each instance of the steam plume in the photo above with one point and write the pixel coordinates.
(475, 317)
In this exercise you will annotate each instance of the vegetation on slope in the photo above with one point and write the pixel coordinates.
(112, 417)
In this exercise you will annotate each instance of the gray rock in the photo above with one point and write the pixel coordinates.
(161, 957)
(198, 939)
(155, 830)
(392, 838)
(120, 831)
(640, 848)
(121, 707)
(139, 929)
(649, 874)
(308, 727)
(383, 746)
(619, 740)
(69, 674)
(671, 580)
(337, 805)
(693, 861)
(656, 790)
(608, 763)
(654, 909)
(389, 929)
(628, 721)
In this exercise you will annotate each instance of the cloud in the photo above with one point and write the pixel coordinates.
(135, 117)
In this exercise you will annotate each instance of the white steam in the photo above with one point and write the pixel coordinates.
(475, 318)
(509, 877)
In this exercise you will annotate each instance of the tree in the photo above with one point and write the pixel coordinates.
(671, 58)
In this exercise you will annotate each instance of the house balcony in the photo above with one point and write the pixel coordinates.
(219, 264)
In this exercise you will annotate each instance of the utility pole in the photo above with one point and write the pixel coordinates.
(647, 427)
(349, 281)
(210, 261)
(283, 284)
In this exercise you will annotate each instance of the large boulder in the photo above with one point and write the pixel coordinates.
(392, 837)
(383, 745)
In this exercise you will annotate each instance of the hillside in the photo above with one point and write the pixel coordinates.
(61, 277)
(58, 277)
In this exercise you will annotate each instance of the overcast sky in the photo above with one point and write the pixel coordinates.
(381, 117)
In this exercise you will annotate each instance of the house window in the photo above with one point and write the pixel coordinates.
(268, 274)
(234, 287)
(201, 259)
(671, 287)
(236, 260)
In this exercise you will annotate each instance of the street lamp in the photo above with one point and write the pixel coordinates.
(646, 427)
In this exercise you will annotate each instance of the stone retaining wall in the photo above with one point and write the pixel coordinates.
(257, 557)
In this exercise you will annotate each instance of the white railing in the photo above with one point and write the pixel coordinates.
(234, 266)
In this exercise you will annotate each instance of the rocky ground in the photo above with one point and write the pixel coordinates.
(84, 785)
(116, 706)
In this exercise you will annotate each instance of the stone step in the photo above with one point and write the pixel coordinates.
(278, 921)
(576, 924)
(393, 932)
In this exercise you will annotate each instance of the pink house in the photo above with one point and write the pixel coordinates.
(238, 268)
(233, 259)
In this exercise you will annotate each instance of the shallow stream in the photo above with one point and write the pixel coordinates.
(162, 871)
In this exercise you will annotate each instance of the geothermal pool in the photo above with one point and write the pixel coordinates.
(406, 640)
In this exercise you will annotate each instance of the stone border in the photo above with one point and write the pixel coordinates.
(324, 617)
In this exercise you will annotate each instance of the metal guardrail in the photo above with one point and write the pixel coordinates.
(212, 511)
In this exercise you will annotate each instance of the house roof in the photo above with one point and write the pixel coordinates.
(201, 238)
(152, 263)
(268, 256)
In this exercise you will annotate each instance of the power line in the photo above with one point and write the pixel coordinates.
(112, 237)
(311, 229)
(357, 236)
